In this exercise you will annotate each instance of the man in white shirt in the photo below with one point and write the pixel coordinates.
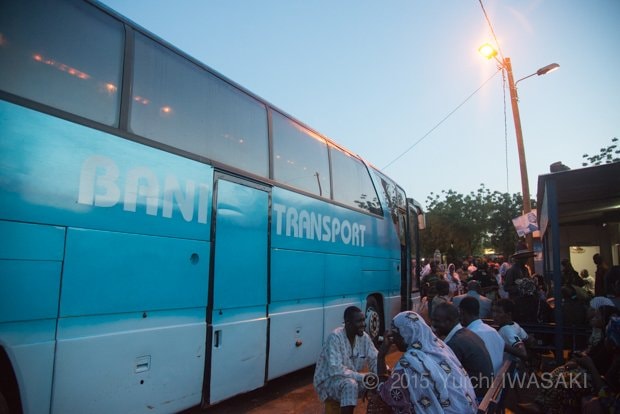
(346, 352)
(513, 335)
(470, 310)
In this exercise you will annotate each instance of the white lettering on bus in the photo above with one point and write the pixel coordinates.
(141, 182)
(314, 226)
(99, 187)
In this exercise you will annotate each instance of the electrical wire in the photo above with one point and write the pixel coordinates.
(505, 131)
(486, 16)
(499, 50)
(441, 122)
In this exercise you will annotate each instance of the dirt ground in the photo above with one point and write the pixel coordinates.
(291, 394)
(294, 394)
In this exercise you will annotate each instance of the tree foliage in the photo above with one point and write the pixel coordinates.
(462, 225)
(605, 155)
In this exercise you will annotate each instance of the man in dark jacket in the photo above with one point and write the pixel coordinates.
(517, 270)
(600, 288)
(467, 346)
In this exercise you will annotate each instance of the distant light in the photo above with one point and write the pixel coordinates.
(487, 51)
(111, 88)
(166, 110)
(61, 66)
(141, 100)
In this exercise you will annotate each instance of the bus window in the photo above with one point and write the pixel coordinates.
(352, 184)
(63, 55)
(300, 157)
(180, 104)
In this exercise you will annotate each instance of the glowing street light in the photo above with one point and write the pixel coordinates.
(489, 52)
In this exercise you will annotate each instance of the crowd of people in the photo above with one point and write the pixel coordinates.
(466, 326)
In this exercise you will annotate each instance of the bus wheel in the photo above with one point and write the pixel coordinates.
(373, 319)
(4, 406)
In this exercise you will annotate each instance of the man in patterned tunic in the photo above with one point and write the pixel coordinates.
(348, 350)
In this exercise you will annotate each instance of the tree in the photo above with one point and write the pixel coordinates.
(463, 225)
(605, 155)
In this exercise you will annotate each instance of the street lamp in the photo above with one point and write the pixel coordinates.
(489, 52)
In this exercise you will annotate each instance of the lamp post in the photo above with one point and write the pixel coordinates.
(489, 52)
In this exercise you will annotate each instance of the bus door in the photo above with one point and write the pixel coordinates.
(237, 310)
(405, 263)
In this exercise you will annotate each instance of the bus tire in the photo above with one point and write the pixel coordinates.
(374, 319)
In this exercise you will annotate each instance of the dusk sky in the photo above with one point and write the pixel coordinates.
(378, 76)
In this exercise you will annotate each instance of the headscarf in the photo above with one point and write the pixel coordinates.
(500, 279)
(503, 268)
(437, 382)
(598, 301)
(454, 280)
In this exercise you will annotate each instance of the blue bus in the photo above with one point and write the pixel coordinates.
(170, 239)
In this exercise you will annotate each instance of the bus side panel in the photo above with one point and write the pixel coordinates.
(61, 173)
(239, 352)
(30, 347)
(29, 290)
(343, 275)
(380, 275)
(130, 364)
(31, 242)
(296, 275)
(109, 272)
(383, 275)
(132, 329)
(28, 309)
(297, 336)
(30, 268)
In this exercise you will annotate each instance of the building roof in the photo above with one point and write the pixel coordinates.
(589, 195)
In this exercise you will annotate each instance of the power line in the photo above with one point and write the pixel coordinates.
(499, 49)
(441, 122)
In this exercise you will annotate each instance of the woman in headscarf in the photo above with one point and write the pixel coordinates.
(567, 392)
(500, 279)
(454, 280)
(428, 378)
(606, 389)
(596, 303)
(609, 390)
